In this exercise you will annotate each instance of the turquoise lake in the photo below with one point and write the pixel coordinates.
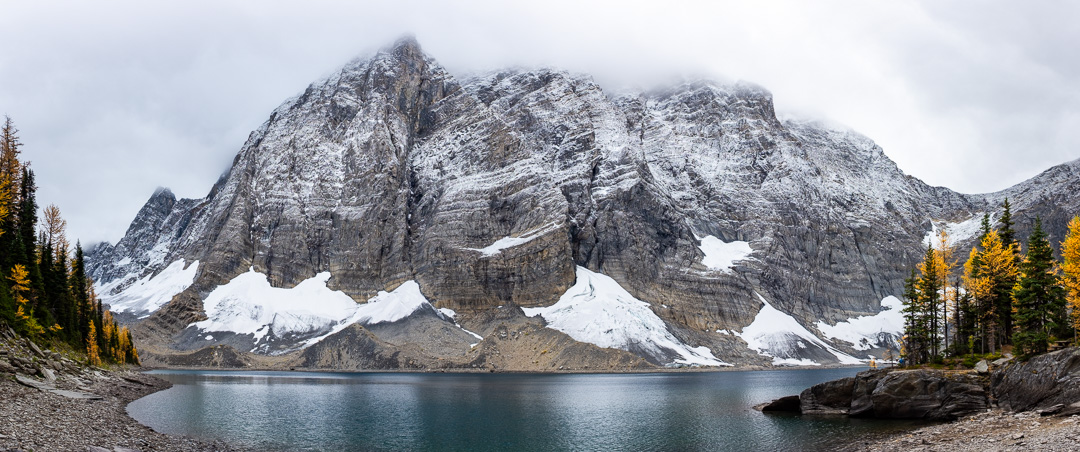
(497, 412)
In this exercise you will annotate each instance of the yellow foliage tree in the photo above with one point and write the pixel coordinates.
(20, 285)
(93, 353)
(1070, 270)
(989, 275)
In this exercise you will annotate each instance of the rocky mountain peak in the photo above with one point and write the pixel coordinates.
(699, 211)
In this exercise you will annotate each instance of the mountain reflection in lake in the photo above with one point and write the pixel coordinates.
(477, 412)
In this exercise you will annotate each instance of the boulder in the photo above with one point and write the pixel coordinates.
(862, 403)
(1001, 361)
(830, 397)
(789, 404)
(34, 348)
(48, 374)
(917, 394)
(982, 367)
(1040, 383)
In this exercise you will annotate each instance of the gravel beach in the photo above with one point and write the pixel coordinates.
(992, 431)
(36, 420)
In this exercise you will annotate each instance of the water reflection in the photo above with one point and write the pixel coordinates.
(402, 411)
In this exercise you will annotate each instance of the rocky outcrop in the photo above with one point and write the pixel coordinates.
(831, 397)
(1041, 383)
(918, 394)
(898, 394)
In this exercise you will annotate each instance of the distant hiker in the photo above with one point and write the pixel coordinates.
(873, 364)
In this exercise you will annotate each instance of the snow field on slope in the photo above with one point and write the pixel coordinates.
(866, 331)
(248, 304)
(384, 307)
(721, 255)
(150, 293)
(597, 310)
(779, 335)
(957, 232)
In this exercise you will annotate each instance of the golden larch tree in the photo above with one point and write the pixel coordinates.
(1070, 270)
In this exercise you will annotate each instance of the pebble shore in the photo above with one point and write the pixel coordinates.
(992, 431)
(50, 401)
(36, 420)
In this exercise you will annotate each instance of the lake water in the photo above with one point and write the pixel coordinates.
(480, 412)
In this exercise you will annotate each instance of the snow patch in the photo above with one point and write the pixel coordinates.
(150, 293)
(957, 232)
(794, 362)
(776, 334)
(598, 311)
(721, 255)
(870, 331)
(248, 304)
(509, 242)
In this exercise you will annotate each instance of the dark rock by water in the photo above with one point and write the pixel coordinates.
(789, 404)
(831, 397)
(896, 394)
(1039, 383)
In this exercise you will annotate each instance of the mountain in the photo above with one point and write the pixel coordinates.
(395, 216)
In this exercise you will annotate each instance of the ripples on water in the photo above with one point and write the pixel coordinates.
(477, 412)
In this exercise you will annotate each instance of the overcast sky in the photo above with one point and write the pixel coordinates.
(114, 99)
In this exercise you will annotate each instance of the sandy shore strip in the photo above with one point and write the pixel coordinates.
(39, 420)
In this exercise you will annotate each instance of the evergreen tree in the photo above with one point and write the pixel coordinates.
(984, 227)
(9, 179)
(1037, 296)
(1005, 231)
(27, 223)
(1008, 240)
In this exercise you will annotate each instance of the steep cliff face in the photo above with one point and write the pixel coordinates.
(498, 191)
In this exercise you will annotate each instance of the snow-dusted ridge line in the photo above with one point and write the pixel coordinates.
(597, 310)
(149, 293)
(778, 335)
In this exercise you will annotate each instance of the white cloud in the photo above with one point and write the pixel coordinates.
(117, 98)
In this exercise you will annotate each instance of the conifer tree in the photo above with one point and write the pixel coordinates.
(1006, 232)
(984, 226)
(9, 179)
(1008, 240)
(1070, 272)
(1037, 296)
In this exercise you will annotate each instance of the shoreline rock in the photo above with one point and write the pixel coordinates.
(931, 395)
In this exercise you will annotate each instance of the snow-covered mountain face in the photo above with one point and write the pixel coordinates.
(707, 230)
